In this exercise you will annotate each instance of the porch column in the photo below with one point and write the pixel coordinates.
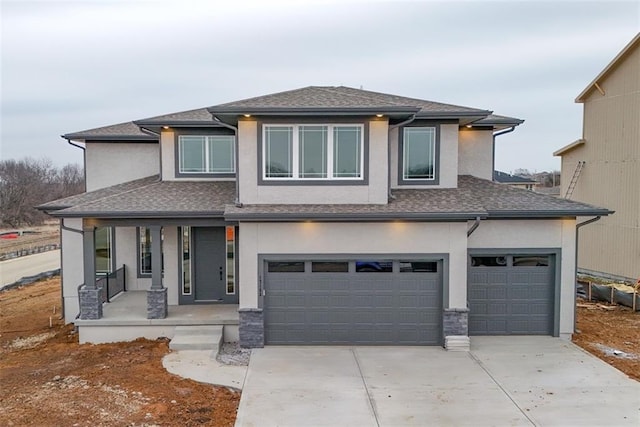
(89, 295)
(157, 295)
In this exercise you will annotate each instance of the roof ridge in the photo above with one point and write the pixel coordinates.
(332, 89)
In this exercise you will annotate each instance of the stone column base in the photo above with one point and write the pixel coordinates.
(90, 304)
(457, 343)
(157, 306)
(251, 328)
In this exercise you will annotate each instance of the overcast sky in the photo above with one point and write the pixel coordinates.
(70, 66)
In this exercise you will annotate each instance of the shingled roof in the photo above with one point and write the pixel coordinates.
(342, 98)
(148, 198)
(337, 100)
(128, 131)
(474, 197)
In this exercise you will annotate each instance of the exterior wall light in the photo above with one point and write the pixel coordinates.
(247, 115)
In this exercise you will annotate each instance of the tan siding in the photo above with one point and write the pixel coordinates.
(611, 177)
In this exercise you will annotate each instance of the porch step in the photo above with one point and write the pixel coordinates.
(197, 338)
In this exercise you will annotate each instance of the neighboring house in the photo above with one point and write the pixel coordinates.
(513, 180)
(322, 215)
(602, 168)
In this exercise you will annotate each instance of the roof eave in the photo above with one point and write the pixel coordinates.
(178, 123)
(552, 213)
(299, 111)
(97, 138)
(354, 217)
(614, 62)
(139, 214)
(567, 148)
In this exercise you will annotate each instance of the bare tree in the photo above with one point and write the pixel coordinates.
(27, 183)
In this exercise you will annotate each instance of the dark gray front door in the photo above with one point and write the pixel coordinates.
(359, 306)
(511, 295)
(209, 264)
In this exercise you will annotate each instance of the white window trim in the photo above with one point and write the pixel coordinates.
(433, 154)
(295, 152)
(207, 164)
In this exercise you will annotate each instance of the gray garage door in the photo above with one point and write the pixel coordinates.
(372, 302)
(511, 295)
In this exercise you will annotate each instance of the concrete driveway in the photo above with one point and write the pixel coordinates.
(503, 381)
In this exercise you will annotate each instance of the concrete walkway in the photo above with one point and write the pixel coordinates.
(515, 381)
(15, 269)
(198, 365)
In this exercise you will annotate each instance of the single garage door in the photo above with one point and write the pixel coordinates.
(367, 302)
(511, 295)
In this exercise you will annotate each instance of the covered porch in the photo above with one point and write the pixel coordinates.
(125, 318)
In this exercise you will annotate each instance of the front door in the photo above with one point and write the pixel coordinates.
(209, 264)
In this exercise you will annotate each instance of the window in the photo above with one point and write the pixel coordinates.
(286, 267)
(418, 266)
(206, 154)
(531, 261)
(330, 267)
(185, 238)
(230, 238)
(144, 251)
(104, 255)
(312, 152)
(489, 261)
(374, 266)
(419, 155)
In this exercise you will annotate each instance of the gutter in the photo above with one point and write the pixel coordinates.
(493, 146)
(84, 158)
(393, 127)
(157, 135)
(237, 165)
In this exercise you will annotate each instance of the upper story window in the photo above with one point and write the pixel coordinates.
(312, 152)
(419, 154)
(206, 154)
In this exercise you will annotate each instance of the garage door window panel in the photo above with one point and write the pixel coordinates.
(286, 267)
(330, 267)
(374, 266)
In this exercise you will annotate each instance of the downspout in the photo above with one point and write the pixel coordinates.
(235, 132)
(475, 225)
(578, 226)
(84, 159)
(406, 122)
(493, 148)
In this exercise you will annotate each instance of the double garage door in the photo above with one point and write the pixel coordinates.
(362, 302)
(511, 294)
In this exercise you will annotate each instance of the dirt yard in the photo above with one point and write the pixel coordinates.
(48, 379)
(611, 333)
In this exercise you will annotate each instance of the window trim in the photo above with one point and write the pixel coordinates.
(203, 133)
(331, 124)
(436, 165)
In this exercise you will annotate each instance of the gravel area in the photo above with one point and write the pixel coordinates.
(233, 354)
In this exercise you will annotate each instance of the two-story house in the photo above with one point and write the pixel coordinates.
(603, 168)
(322, 215)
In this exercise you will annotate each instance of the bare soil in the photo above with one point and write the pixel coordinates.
(48, 379)
(31, 237)
(612, 333)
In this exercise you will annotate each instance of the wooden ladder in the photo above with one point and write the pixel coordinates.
(574, 179)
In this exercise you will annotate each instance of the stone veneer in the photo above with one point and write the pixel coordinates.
(251, 327)
(157, 305)
(90, 304)
(456, 321)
